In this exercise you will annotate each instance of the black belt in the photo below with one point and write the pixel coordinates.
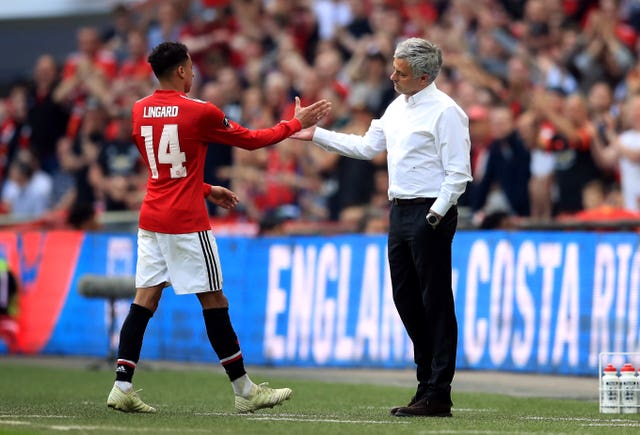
(411, 201)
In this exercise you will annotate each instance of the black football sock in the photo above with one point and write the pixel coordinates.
(131, 336)
(224, 341)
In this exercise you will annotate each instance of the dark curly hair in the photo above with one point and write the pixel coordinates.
(167, 56)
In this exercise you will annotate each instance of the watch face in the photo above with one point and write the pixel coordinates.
(432, 219)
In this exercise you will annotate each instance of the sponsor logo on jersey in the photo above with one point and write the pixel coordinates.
(225, 121)
(160, 111)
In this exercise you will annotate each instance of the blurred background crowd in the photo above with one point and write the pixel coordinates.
(551, 87)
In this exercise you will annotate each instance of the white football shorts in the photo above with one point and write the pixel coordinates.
(189, 262)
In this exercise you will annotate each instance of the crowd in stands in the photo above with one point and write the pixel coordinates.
(551, 87)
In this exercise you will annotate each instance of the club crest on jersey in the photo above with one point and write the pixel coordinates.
(225, 122)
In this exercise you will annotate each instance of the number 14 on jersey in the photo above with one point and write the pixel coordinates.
(169, 152)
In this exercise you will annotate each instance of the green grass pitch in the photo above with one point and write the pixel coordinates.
(44, 399)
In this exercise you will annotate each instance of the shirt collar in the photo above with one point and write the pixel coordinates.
(421, 96)
(168, 91)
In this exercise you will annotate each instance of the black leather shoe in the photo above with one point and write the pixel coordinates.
(425, 408)
(411, 402)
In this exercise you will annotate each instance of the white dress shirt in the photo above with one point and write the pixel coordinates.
(426, 136)
(31, 200)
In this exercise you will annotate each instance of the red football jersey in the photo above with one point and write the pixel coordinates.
(172, 131)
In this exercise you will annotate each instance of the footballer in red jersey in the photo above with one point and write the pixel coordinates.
(175, 242)
(171, 131)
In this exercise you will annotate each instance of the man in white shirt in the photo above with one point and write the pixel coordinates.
(27, 191)
(426, 136)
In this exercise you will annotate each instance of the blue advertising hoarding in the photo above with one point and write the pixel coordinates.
(545, 302)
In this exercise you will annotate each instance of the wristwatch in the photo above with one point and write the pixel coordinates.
(433, 220)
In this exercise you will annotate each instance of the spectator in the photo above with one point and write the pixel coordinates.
(134, 76)
(119, 174)
(279, 184)
(167, 25)
(601, 55)
(623, 152)
(63, 178)
(628, 146)
(352, 219)
(601, 104)
(14, 130)
(207, 31)
(498, 220)
(115, 34)
(47, 119)
(309, 86)
(568, 134)
(387, 22)
(602, 204)
(507, 168)
(349, 35)
(519, 84)
(78, 156)
(480, 134)
(90, 55)
(352, 180)
(489, 54)
(630, 84)
(541, 168)
(331, 14)
(538, 30)
(231, 89)
(328, 68)
(376, 221)
(87, 74)
(273, 223)
(27, 192)
(218, 155)
(418, 15)
(551, 66)
(367, 71)
(277, 90)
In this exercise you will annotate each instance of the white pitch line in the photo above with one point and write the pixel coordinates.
(80, 427)
(125, 429)
(628, 424)
(33, 416)
(590, 422)
(587, 419)
(16, 423)
(318, 417)
(454, 410)
(323, 420)
(469, 432)
(311, 418)
(473, 410)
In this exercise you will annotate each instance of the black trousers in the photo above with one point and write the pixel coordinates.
(420, 266)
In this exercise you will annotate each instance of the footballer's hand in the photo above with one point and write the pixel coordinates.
(223, 197)
(310, 115)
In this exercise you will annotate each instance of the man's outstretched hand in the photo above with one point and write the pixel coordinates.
(310, 115)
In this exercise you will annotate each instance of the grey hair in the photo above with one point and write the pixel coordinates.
(424, 57)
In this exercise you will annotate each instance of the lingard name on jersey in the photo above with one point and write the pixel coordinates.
(160, 111)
